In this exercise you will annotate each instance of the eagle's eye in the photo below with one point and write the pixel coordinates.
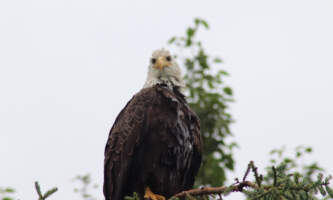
(168, 58)
(153, 60)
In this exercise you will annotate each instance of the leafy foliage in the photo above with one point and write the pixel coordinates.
(86, 187)
(6, 193)
(209, 97)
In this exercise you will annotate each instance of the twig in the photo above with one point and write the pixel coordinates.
(256, 175)
(249, 166)
(47, 194)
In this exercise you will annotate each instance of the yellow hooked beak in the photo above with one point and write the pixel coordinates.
(161, 63)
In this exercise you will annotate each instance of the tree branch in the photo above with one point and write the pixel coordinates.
(238, 187)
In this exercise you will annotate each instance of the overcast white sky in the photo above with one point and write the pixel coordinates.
(67, 67)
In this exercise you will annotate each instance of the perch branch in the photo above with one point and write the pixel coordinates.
(237, 187)
(215, 190)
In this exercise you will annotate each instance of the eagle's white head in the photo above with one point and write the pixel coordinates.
(163, 69)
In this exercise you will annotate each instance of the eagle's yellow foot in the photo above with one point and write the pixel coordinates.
(150, 195)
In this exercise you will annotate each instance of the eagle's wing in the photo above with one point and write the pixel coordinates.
(193, 123)
(124, 137)
(197, 150)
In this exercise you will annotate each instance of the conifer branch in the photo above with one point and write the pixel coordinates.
(47, 193)
(281, 185)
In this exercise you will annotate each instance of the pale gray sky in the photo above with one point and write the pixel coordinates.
(67, 67)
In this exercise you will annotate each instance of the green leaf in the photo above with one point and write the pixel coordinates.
(197, 21)
(217, 60)
(205, 24)
(9, 190)
(172, 40)
(188, 42)
(309, 149)
(190, 32)
(223, 72)
(227, 90)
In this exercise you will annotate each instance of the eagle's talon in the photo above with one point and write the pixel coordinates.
(149, 195)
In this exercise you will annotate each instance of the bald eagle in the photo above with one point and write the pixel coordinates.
(154, 146)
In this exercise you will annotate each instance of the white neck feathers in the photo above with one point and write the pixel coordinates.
(171, 76)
